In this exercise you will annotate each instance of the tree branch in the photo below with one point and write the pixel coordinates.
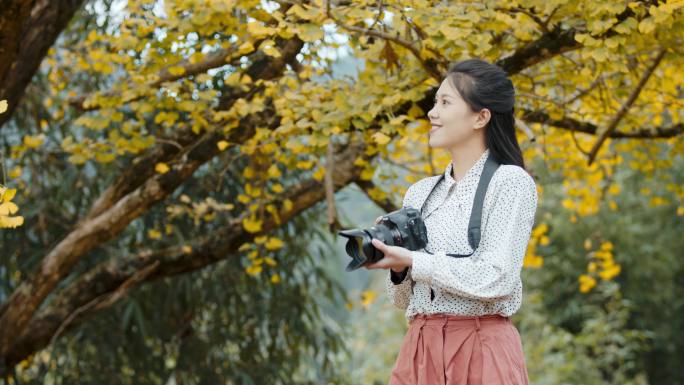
(626, 105)
(109, 275)
(590, 128)
(111, 216)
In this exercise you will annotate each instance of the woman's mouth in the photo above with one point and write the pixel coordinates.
(435, 127)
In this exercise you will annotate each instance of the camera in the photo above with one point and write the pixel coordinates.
(404, 228)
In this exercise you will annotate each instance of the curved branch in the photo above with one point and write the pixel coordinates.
(104, 279)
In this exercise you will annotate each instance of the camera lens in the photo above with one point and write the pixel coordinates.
(354, 246)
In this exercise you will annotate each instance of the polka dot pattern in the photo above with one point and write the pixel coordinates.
(487, 282)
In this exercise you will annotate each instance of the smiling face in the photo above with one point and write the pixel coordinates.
(454, 124)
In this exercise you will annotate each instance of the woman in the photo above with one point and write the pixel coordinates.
(460, 331)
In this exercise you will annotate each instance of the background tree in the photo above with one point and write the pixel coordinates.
(161, 142)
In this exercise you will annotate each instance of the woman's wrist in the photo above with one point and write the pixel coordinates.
(408, 262)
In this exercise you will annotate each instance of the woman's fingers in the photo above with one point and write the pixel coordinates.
(378, 244)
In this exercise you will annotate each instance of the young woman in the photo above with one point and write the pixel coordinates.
(460, 331)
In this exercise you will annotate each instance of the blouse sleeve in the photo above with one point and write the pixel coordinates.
(398, 285)
(494, 268)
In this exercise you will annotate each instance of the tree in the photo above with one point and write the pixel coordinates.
(168, 97)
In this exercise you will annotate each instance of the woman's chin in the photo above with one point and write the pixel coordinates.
(434, 142)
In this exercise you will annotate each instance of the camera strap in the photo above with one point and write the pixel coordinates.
(474, 225)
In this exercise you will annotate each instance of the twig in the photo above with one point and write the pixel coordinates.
(625, 106)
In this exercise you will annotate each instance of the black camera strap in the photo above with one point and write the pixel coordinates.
(474, 226)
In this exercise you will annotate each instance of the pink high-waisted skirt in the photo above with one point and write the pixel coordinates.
(447, 349)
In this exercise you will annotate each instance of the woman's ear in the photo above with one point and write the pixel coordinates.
(482, 118)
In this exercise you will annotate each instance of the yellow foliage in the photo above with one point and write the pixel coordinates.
(176, 70)
(601, 264)
(319, 174)
(34, 141)
(154, 234)
(587, 282)
(368, 297)
(277, 188)
(222, 145)
(274, 171)
(15, 172)
(381, 138)
(161, 168)
(254, 270)
(304, 164)
(274, 244)
(251, 224)
(538, 237)
(8, 208)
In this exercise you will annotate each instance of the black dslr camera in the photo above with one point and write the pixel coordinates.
(404, 228)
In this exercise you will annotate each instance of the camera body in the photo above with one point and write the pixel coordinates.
(403, 227)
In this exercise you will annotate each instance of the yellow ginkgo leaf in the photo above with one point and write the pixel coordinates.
(304, 164)
(8, 208)
(3, 106)
(381, 138)
(34, 141)
(245, 48)
(274, 243)
(15, 172)
(6, 194)
(277, 188)
(154, 234)
(274, 172)
(176, 70)
(222, 145)
(161, 168)
(367, 298)
(11, 222)
(251, 224)
(254, 270)
(270, 261)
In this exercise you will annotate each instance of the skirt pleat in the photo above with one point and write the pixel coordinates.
(446, 349)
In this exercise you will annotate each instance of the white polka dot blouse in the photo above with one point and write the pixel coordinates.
(488, 281)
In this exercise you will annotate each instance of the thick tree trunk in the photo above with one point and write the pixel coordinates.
(27, 30)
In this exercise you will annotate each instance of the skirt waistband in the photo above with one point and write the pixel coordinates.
(453, 319)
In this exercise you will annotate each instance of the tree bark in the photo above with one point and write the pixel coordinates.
(27, 30)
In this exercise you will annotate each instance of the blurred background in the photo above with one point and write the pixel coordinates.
(174, 173)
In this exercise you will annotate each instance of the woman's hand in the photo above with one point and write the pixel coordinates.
(396, 258)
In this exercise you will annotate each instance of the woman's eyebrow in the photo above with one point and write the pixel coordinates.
(443, 95)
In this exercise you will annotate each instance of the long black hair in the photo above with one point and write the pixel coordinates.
(486, 85)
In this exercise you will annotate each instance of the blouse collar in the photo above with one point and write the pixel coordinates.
(472, 173)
